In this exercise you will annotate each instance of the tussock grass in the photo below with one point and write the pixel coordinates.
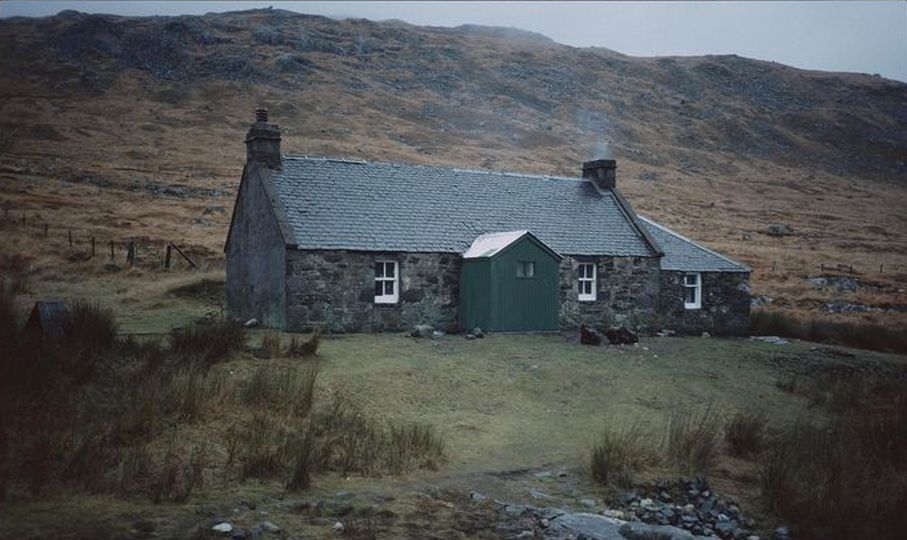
(874, 337)
(283, 388)
(305, 349)
(744, 433)
(691, 438)
(348, 441)
(821, 476)
(618, 455)
(271, 345)
(92, 326)
(210, 343)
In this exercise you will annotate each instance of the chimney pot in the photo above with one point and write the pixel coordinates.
(263, 141)
(603, 172)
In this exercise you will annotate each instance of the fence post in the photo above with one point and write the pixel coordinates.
(70, 237)
(774, 263)
(130, 253)
(111, 251)
(45, 230)
(167, 257)
(92, 247)
(880, 267)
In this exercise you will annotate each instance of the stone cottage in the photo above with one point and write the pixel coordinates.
(356, 246)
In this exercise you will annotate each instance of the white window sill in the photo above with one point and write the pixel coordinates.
(385, 301)
(586, 299)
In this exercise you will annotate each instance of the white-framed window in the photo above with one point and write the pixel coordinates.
(525, 269)
(585, 280)
(692, 290)
(387, 281)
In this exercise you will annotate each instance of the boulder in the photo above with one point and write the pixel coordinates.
(251, 323)
(477, 332)
(422, 331)
(779, 230)
(223, 528)
(589, 336)
(621, 336)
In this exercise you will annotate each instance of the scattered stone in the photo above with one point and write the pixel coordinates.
(706, 335)
(271, 527)
(536, 494)
(437, 334)
(779, 230)
(422, 331)
(223, 527)
(590, 503)
(251, 323)
(477, 332)
(477, 497)
(759, 301)
(470, 336)
(781, 533)
(770, 339)
(666, 333)
(338, 528)
(589, 336)
(621, 336)
(238, 534)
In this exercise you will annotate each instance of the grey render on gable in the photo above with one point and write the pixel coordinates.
(306, 232)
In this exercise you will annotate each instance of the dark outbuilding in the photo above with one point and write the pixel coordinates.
(49, 319)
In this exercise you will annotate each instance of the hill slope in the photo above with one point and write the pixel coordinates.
(125, 127)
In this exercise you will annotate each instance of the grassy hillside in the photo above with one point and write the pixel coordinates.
(126, 128)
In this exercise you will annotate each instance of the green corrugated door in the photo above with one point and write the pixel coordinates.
(475, 294)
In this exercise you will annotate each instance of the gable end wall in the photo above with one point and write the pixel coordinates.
(255, 285)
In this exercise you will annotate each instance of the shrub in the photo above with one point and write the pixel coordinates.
(262, 449)
(292, 388)
(861, 335)
(92, 326)
(347, 441)
(744, 433)
(301, 454)
(210, 343)
(307, 348)
(617, 455)
(691, 439)
(270, 345)
(846, 478)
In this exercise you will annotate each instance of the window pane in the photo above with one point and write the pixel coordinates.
(388, 287)
(690, 295)
(390, 267)
(530, 269)
(379, 270)
(379, 288)
(582, 271)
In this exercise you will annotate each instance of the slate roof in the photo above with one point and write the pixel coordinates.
(681, 253)
(369, 206)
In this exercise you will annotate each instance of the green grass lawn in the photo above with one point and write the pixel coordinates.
(510, 401)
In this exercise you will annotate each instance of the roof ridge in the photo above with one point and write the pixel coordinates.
(423, 166)
(694, 243)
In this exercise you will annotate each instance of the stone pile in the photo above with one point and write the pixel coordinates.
(689, 504)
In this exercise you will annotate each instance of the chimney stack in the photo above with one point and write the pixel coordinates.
(601, 171)
(263, 141)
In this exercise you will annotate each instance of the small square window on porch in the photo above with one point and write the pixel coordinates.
(586, 274)
(387, 290)
(692, 290)
(525, 269)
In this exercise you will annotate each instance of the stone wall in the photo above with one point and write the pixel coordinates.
(335, 290)
(627, 293)
(255, 257)
(725, 304)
